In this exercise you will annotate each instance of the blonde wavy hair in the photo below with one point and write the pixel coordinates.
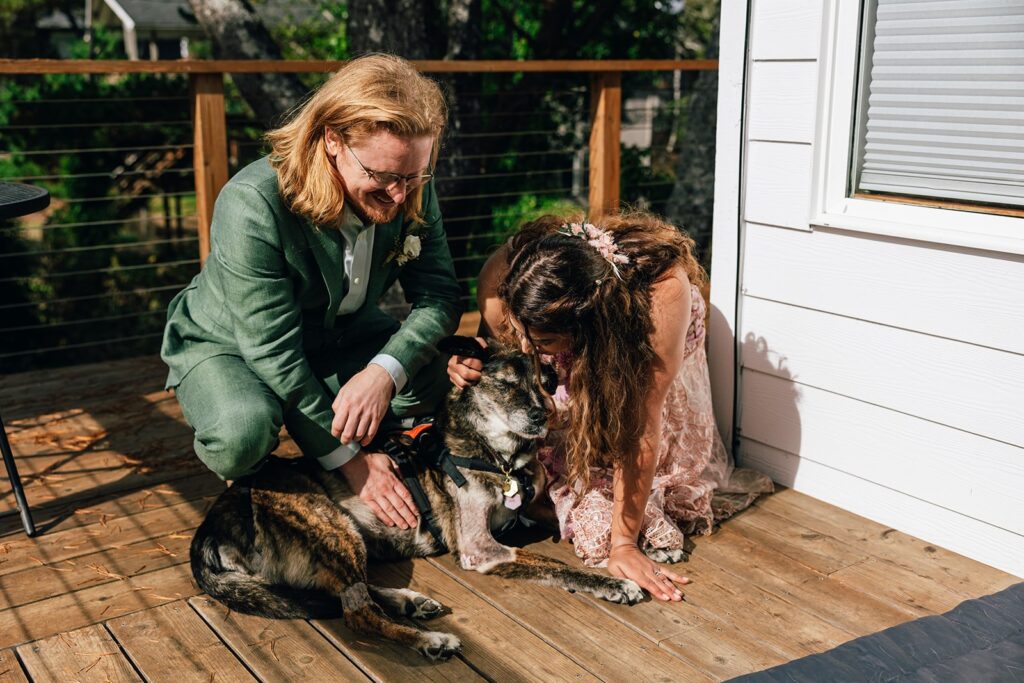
(558, 283)
(371, 94)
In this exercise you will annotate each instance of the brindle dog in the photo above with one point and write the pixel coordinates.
(293, 541)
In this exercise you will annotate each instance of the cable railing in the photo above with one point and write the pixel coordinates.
(134, 176)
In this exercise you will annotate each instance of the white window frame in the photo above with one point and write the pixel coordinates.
(833, 157)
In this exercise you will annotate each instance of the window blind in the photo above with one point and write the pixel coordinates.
(941, 101)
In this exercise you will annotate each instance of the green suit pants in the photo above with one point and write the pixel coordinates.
(237, 418)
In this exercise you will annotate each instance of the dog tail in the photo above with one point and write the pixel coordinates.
(243, 592)
(249, 595)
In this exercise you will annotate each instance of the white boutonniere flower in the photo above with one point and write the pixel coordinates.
(406, 249)
(410, 249)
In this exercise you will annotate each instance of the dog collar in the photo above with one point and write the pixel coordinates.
(418, 449)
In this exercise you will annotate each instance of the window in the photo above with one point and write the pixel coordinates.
(920, 129)
(941, 101)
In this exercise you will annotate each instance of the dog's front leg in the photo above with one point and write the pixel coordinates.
(550, 572)
(476, 548)
(479, 551)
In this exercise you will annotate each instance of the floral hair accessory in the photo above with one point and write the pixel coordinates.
(599, 239)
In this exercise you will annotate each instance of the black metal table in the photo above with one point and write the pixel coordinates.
(18, 199)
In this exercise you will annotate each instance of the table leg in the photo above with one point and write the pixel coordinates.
(12, 474)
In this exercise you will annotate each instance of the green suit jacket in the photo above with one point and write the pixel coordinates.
(271, 287)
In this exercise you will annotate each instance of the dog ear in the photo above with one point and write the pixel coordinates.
(497, 348)
(549, 378)
(459, 345)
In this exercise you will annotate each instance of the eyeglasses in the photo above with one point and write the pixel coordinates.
(385, 180)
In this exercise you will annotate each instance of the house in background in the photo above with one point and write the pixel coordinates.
(152, 29)
(164, 29)
(869, 260)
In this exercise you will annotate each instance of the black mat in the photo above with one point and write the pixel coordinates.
(978, 641)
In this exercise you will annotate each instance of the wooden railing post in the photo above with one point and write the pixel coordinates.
(605, 132)
(210, 153)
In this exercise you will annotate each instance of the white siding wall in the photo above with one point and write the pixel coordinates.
(879, 374)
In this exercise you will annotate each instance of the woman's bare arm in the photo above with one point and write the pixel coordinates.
(462, 370)
(492, 310)
(633, 479)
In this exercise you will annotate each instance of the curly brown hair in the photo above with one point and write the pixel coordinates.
(559, 284)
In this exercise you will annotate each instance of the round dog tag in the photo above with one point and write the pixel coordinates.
(510, 487)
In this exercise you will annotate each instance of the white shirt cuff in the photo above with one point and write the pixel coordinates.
(340, 455)
(394, 368)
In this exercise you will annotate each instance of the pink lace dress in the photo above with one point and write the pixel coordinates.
(695, 483)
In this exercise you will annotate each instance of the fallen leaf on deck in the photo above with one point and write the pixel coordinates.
(103, 571)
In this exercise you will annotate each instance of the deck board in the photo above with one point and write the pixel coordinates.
(722, 629)
(840, 605)
(284, 650)
(88, 654)
(385, 661)
(54, 548)
(95, 604)
(897, 585)
(94, 569)
(64, 515)
(494, 644)
(109, 470)
(10, 669)
(570, 624)
(172, 642)
(823, 553)
(931, 563)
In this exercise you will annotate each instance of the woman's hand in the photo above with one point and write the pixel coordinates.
(464, 371)
(628, 562)
(371, 476)
(361, 405)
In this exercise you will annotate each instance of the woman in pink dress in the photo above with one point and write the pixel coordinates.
(637, 462)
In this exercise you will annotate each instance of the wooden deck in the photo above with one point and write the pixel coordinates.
(105, 592)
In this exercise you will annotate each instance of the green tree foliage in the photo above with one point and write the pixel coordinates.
(107, 148)
(568, 29)
(107, 261)
(322, 36)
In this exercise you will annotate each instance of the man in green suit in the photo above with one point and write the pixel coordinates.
(282, 325)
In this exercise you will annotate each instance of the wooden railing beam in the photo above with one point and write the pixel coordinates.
(210, 153)
(605, 134)
(197, 66)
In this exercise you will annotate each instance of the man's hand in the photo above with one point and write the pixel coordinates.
(371, 476)
(464, 371)
(628, 562)
(361, 404)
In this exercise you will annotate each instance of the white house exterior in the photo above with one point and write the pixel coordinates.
(879, 355)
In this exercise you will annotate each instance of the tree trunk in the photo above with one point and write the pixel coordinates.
(238, 33)
(463, 42)
(463, 33)
(395, 26)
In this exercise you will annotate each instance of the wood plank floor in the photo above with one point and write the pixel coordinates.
(105, 592)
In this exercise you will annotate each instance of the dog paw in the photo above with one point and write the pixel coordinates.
(623, 591)
(667, 555)
(423, 607)
(439, 646)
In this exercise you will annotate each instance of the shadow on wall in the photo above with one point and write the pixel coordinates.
(768, 415)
